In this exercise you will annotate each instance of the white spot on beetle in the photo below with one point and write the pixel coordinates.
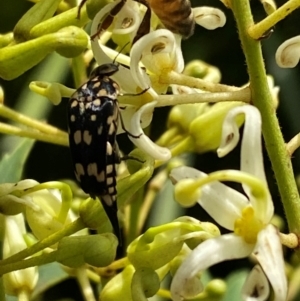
(107, 199)
(79, 171)
(109, 149)
(87, 137)
(100, 129)
(77, 137)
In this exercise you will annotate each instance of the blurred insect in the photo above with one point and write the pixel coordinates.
(175, 15)
(93, 117)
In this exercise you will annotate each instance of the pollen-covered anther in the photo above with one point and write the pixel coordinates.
(158, 47)
(186, 194)
(248, 226)
(127, 22)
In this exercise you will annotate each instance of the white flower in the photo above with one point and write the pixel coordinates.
(288, 53)
(160, 52)
(209, 17)
(45, 205)
(50, 213)
(22, 281)
(248, 218)
(134, 118)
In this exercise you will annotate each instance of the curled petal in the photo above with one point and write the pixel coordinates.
(269, 254)
(209, 17)
(127, 115)
(251, 152)
(159, 51)
(274, 90)
(221, 202)
(287, 54)
(123, 77)
(26, 279)
(269, 6)
(256, 286)
(128, 19)
(208, 253)
(143, 142)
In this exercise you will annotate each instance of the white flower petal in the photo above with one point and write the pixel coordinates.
(256, 287)
(209, 17)
(127, 116)
(268, 252)
(221, 202)
(269, 6)
(143, 142)
(208, 253)
(251, 152)
(123, 77)
(129, 14)
(288, 53)
(159, 51)
(14, 242)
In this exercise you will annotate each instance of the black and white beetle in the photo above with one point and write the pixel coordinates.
(93, 117)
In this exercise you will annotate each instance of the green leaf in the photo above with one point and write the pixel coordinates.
(11, 165)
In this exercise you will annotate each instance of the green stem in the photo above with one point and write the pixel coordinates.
(79, 70)
(262, 99)
(45, 243)
(258, 30)
(134, 214)
(30, 262)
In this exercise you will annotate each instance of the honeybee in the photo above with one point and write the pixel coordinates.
(175, 15)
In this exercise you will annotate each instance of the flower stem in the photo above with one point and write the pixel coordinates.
(45, 243)
(262, 99)
(29, 133)
(27, 263)
(30, 122)
(258, 30)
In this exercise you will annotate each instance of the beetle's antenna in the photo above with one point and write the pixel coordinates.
(114, 61)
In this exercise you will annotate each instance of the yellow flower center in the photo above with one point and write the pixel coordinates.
(248, 226)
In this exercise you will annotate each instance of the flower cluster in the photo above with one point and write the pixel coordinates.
(248, 218)
(205, 116)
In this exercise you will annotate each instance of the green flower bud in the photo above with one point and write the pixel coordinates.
(206, 131)
(119, 287)
(93, 215)
(140, 174)
(181, 116)
(200, 69)
(16, 59)
(198, 127)
(187, 194)
(94, 6)
(145, 284)
(6, 39)
(97, 250)
(41, 11)
(65, 19)
(215, 289)
(157, 249)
